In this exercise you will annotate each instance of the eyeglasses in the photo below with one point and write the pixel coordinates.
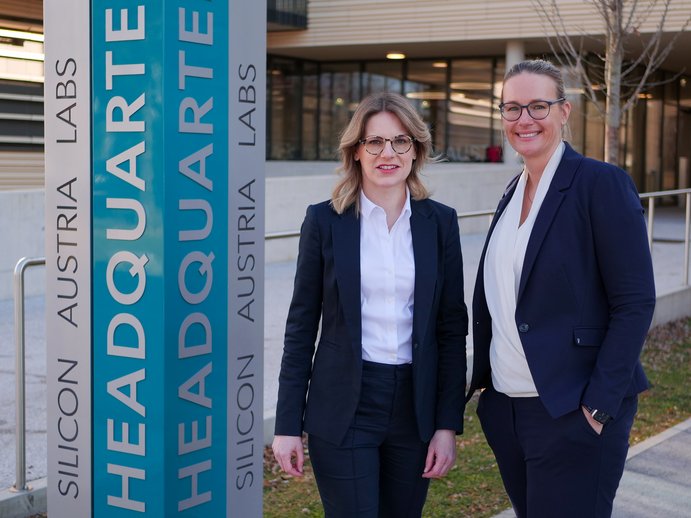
(374, 145)
(538, 110)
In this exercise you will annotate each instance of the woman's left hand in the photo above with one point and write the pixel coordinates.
(441, 454)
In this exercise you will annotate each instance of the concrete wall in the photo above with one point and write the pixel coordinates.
(290, 188)
(672, 306)
(22, 235)
(465, 187)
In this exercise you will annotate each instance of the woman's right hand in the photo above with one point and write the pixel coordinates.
(285, 448)
(592, 422)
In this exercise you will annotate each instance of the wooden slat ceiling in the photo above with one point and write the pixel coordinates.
(21, 170)
(24, 15)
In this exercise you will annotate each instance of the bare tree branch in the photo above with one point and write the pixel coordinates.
(652, 48)
(565, 50)
(621, 81)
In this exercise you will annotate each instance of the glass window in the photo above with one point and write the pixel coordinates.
(21, 115)
(471, 118)
(576, 96)
(635, 145)
(684, 132)
(624, 142)
(425, 87)
(669, 141)
(340, 94)
(284, 81)
(653, 129)
(382, 76)
(497, 133)
(594, 138)
(310, 111)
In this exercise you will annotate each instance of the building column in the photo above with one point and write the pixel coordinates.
(515, 53)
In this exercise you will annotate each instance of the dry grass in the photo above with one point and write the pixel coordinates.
(473, 488)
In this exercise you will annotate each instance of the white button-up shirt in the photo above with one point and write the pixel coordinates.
(502, 275)
(387, 282)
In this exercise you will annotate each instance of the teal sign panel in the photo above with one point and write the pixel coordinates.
(160, 257)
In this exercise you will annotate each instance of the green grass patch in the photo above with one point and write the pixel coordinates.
(667, 362)
(473, 488)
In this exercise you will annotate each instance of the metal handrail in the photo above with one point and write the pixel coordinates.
(651, 196)
(20, 425)
(281, 234)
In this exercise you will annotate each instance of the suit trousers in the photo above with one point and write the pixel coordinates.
(555, 467)
(376, 471)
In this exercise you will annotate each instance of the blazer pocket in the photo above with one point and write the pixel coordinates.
(589, 336)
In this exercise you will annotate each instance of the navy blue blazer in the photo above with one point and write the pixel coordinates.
(586, 294)
(327, 288)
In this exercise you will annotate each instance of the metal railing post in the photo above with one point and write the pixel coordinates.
(687, 238)
(651, 196)
(651, 216)
(20, 426)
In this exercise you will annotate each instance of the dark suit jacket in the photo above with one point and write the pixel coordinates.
(586, 294)
(327, 286)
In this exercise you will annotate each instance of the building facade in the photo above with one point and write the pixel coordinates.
(325, 55)
(454, 58)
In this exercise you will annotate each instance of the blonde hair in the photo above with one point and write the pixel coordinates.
(540, 67)
(347, 191)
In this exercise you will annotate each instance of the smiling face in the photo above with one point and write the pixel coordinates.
(388, 170)
(534, 139)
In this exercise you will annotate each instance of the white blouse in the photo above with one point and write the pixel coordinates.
(387, 284)
(502, 275)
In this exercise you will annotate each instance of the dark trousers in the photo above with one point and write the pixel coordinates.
(376, 472)
(555, 467)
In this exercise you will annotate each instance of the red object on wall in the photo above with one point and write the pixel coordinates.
(494, 154)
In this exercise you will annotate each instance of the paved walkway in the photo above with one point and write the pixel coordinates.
(654, 462)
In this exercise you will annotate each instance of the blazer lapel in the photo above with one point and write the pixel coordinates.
(345, 234)
(563, 177)
(503, 202)
(424, 234)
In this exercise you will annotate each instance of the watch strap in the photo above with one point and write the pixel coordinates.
(600, 416)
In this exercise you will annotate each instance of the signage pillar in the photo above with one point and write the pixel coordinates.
(174, 136)
(67, 113)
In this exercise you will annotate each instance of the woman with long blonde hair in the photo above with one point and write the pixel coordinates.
(379, 278)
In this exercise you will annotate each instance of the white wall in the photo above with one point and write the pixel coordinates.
(466, 187)
(21, 235)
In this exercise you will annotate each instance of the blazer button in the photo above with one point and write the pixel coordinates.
(523, 328)
(415, 345)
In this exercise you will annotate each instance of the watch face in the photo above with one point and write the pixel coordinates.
(601, 417)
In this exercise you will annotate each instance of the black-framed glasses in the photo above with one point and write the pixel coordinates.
(538, 110)
(374, 145)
